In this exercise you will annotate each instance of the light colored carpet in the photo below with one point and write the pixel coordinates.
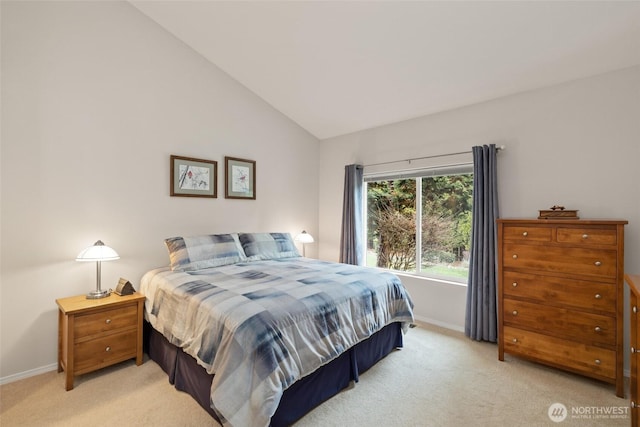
(439, 379)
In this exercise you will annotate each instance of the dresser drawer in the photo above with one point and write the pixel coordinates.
(578, 261)
(527, 233)
(105, 321)
(571, 293)
(587, 236)
(104, 351)
(575, 356)
(560, 322)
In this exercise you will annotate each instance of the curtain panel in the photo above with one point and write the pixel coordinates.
(481, 318)
(351, 238)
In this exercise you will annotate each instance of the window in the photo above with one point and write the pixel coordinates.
(421, 223)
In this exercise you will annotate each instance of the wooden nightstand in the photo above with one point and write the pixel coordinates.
(95, 333)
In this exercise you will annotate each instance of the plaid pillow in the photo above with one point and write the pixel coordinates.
(198, 252)
(261, 246)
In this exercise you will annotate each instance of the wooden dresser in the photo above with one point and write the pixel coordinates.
(95, 333)
(560, 294)
(634, 301)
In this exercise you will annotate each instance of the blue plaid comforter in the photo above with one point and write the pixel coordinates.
(260, 326)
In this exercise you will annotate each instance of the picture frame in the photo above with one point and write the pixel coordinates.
(239, 178)
(191, 177)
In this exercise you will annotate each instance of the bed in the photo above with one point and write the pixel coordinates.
(259, 335)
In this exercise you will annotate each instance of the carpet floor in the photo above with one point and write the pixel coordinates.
(440, 378)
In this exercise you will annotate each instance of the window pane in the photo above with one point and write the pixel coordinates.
(444, 216)
(391, 224)
(446, 225)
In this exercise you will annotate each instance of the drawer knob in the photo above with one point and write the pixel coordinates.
(598, 296)
(598, 361)
(597, 263)
(515, 340)
(634, 404)
(107, 321)
(585, 236)
(598, 329)
(525, 234)
(633, 350)
(635, 309)
(107, 349)
(514, 312)
(515, 256)
(514, 284)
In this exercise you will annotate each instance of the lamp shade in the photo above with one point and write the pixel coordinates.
(98, 252)
(304, 237)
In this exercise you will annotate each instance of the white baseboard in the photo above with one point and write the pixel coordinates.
(439, 323)
(29, 373)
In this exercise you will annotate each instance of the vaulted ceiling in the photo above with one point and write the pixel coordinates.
(340, 67)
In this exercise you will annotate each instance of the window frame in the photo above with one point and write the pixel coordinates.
(465, 168)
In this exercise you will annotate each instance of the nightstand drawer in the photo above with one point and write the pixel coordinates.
(105, 321)
(104, 351)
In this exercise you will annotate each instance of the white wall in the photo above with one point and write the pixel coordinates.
(575, 144)
(95, 98)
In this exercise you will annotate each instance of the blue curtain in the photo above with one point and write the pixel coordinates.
(351, 245)
(481, 316)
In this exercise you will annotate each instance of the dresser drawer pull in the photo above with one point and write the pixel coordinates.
(633, 350)
(597, 263)
(635, 309)
(107, 349)
(514, 284)
(585, 236)
(598, 361)
(107, 321)
(515, 340)
(525, 234)
(515, 256)
(514, 312)
(634, 404)
(598, 329)
(598, 296)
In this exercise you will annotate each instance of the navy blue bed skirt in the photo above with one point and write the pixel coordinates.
(304, 395)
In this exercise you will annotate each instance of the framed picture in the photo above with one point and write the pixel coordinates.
(193, 177)
(239, 178)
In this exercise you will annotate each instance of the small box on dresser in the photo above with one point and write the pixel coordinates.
(560, 298)
(95, 333)
(633, 280)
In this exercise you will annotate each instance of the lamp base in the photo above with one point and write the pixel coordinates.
(97, 294)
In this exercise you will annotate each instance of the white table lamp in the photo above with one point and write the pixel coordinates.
(304, 238)
(98, 252)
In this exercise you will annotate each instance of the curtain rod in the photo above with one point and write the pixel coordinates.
(502, 147)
